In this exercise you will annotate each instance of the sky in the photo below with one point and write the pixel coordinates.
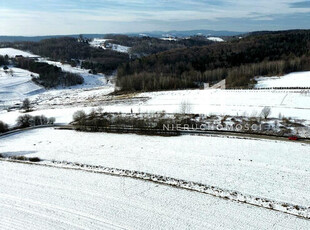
(59, 17)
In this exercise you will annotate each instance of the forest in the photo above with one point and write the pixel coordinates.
(144, 46)
(238, 61)
(69, 50)
(156, 64)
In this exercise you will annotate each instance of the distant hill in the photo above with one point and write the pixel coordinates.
(188, 33)
(236, 60)
(157, 34)
(40, 38)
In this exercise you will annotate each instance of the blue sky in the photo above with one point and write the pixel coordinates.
(47, 17)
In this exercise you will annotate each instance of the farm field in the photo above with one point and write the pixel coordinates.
(63, 103)
(35, 197)
(261, 168)
(253, 183)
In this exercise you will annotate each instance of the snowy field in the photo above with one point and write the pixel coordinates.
(90, 80)
(63, 103)
(299, 79)
(16, 84)
(12, 53)
(215, 39)
(99, 42)
(233, 102)
(40, 197)
(34, 197)
(261, 168)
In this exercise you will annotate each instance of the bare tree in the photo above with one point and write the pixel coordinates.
(3, 127)
(185, 107)
(79, 116)
(266, 112)
(26, 104)
(25, 121)
(51, 120)
(99, 109)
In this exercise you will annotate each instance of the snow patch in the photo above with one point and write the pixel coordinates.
(105, 44)
(299, 79)
(215, 39)
(16, 84)
(12, 53)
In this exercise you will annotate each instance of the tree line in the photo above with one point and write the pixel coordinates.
(144, 46)
(238, 61)
(49, 75)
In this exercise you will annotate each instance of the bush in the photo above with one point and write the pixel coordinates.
(51, 120)
(23, 158)
(24, 121)
(79, 116)
(26, 104)
(266, 112)
(3, 127)
(185, 107)
(34, 159)
(27, 120)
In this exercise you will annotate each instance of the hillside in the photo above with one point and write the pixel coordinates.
(238, 61)
(157, 34)
(70, 50)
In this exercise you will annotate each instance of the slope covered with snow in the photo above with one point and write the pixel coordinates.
(105, 44)
(215, 39)
(299, 79)
(12, 53)
(16, 84)
(90, 80)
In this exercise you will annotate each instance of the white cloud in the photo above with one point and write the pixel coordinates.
(112, 16)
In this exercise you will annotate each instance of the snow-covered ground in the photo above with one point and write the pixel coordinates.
(98, 42)
(261, 168)
(215, 39)
(232, 102)
(62, 104)
(169, 39)
(34, 197)
(105, 44)
(298, 79)
(12, 53)
(16, 84)
(90, 80)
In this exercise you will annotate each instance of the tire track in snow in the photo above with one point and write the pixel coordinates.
(283, 99)
(34, 207)
(292, 209)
